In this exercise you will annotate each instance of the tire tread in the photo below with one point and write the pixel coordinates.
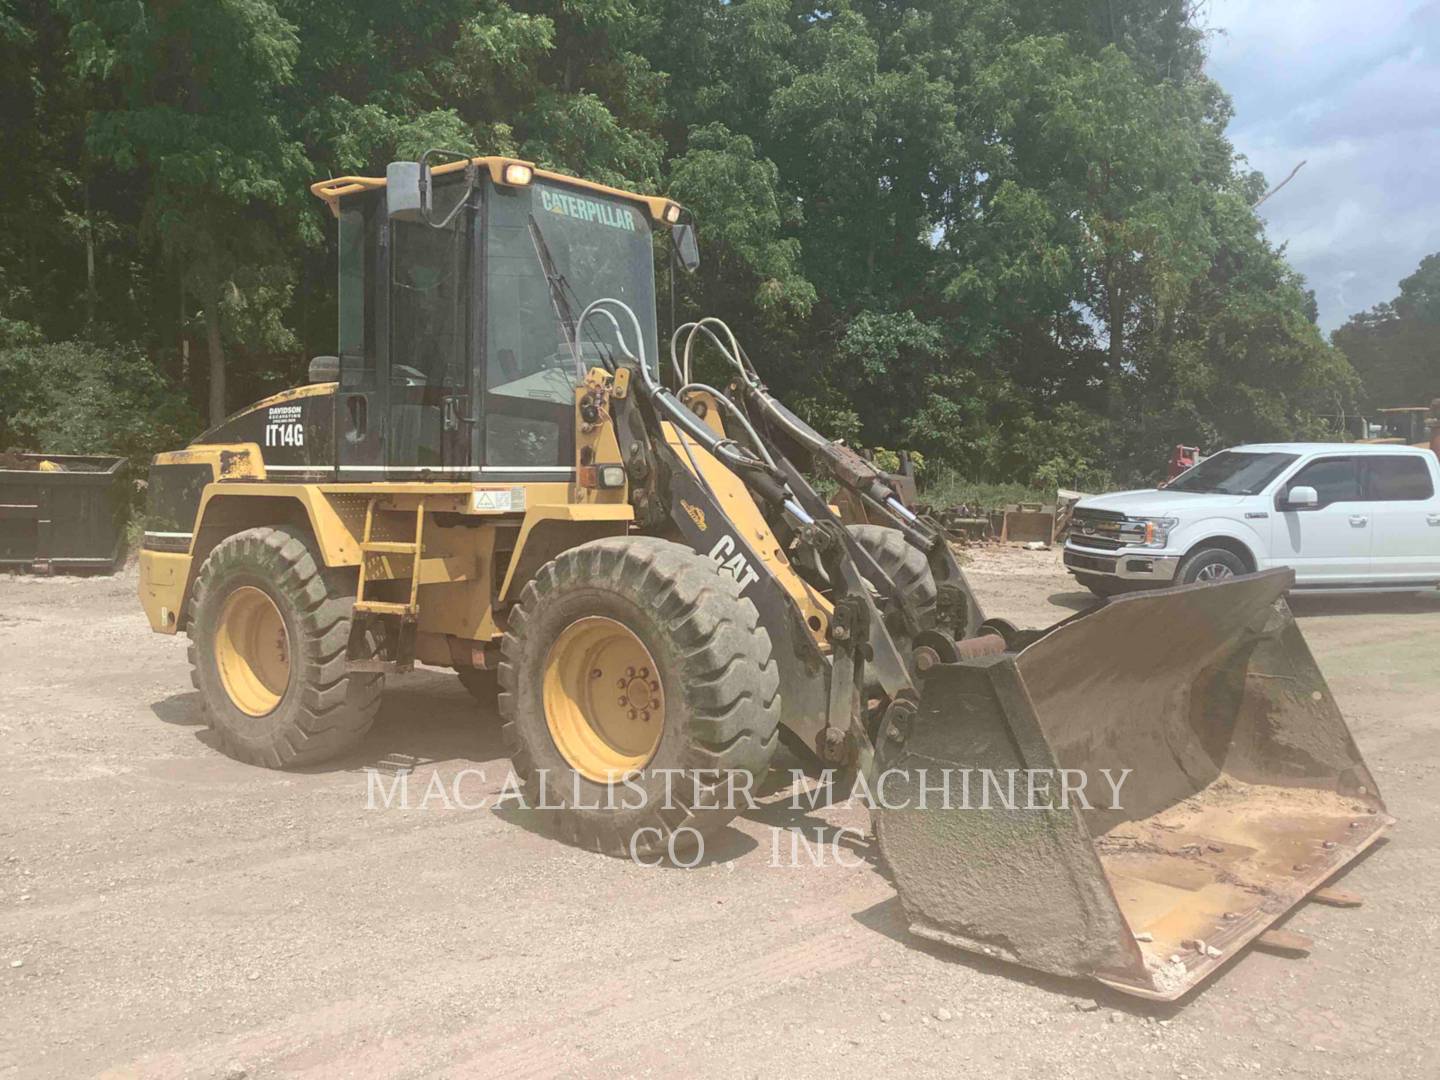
(334, 709)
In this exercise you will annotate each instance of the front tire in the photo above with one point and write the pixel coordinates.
(903, 564)
(1210, 564)
(269, 626)
(633, 677)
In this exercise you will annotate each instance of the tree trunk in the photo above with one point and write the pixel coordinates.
(217, 359)
(1116, 330)
(183, 338)
(89, 263)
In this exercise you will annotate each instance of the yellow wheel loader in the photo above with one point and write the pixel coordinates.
(495, 476)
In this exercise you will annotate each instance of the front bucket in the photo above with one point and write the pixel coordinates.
(1133, 796)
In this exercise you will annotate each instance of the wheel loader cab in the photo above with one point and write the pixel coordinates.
(457, 325)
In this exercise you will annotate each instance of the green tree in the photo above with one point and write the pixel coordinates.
(1395, 346)
(194, 106)
(78, 397)
(1013, 236)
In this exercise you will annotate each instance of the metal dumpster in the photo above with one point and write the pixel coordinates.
(61, 512)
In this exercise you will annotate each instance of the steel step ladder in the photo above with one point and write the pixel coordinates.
(393, 621)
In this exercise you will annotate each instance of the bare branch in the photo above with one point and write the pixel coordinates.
(1278, 186)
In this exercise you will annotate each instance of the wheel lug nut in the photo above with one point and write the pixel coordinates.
(596, 673)
(624, 701)
(620, 684)
(645, 715)
(633, 714)
(644, 673)
(654, 687)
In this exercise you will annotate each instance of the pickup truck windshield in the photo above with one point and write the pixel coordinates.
(1232, 472)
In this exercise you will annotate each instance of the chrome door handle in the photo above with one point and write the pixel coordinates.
(1359, 521)
(1434, 519)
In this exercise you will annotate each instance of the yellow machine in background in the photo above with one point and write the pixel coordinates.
(493, 476)
(1410, 425)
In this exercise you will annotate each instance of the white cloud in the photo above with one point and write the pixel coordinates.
(1354, 92)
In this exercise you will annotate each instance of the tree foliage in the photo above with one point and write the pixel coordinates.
(1395, 346)
(1013, 237)
(75, 397)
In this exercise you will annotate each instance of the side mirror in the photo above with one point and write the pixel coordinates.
(687, 247)
(407, 190)
(325, 369)
(1302, 498)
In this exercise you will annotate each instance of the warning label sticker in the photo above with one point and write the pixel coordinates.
(497, 500)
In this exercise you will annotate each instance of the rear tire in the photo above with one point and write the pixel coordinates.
(1210, 564)
(268, 627)
(614, 606)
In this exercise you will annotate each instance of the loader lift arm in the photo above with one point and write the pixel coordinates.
(861, 646)
(958, 612)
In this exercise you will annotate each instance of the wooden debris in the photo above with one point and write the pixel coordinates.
(1285, 942)
(1337, 898)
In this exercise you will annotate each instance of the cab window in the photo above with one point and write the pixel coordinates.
(1399, 478)
(550, 250)
(1334, 480)
(429, 303)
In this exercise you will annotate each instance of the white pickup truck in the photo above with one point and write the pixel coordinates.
(1344, 516)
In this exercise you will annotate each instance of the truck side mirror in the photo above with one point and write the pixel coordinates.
(1302, 498)
(407, 190)
(687, 247)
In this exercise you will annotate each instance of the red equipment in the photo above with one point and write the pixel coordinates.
(1182, 458)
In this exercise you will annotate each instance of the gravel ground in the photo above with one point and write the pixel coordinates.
(168, 912)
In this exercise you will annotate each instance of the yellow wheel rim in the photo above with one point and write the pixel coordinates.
(603, 699)
(252, 651)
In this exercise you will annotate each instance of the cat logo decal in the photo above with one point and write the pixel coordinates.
(733, 562)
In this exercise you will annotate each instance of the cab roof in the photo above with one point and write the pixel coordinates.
(333, 190)
(1325, 448)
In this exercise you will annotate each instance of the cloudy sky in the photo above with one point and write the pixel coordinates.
(1353, 89)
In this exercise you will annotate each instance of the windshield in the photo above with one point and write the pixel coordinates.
(551, 252)
(1232, 472)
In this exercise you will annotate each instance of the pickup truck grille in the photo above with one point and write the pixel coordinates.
(1097, 529)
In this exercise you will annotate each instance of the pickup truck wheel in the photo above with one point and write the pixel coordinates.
(1210, 564)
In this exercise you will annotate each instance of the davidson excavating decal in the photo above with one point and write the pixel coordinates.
(558, 202)
(283, 426)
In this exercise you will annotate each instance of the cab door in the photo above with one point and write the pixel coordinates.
(1330, 542)
(361, 396)
(1406, 517)
(430, 425)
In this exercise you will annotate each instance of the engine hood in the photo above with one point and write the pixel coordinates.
(1158, 502)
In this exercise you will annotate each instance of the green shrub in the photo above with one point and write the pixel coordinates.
(943, 487)
(77, 397)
